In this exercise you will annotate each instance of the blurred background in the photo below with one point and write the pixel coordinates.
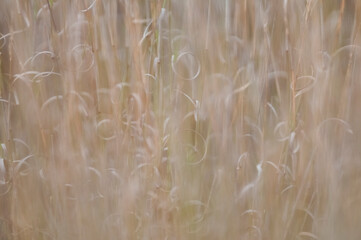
(166, 119)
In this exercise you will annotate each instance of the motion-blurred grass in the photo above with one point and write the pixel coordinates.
(170, 119)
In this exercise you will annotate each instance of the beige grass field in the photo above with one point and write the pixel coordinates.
(180, 119)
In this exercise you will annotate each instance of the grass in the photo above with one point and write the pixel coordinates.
(180, 119)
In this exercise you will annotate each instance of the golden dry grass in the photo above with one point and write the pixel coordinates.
(209, 119)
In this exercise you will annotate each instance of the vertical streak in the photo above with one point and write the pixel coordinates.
(227, 20)
(208, 23)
